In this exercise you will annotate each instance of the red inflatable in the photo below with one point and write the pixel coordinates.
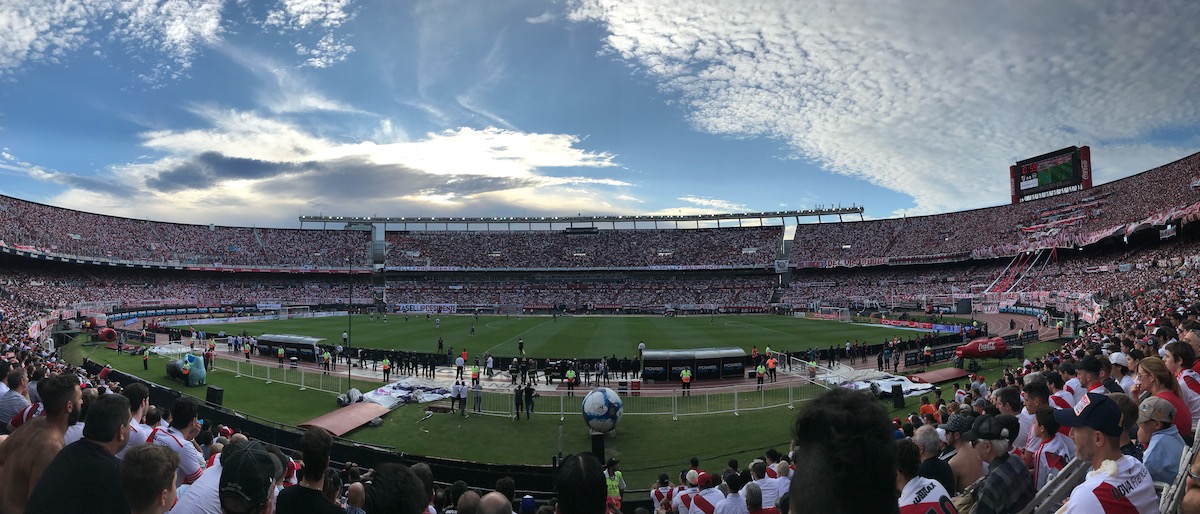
(107, 335)
(982, 349)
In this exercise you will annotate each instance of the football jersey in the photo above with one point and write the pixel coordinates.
(925, 496)
(1189, 385)
(705, 501)
(1123, 486)
(1050, 457)
(191, 461)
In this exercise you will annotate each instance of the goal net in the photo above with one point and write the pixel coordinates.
(303, 311)
(841, 314)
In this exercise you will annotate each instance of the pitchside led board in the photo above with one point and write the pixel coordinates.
(1067, 169)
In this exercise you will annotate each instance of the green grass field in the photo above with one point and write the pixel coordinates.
(582, 337)
(646, 444)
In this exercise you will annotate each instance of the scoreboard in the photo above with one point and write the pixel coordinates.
(1068, 168)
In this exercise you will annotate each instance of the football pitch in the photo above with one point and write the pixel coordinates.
(646, 444)
(574, 336)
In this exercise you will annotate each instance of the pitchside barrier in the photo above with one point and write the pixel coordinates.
(333, 382)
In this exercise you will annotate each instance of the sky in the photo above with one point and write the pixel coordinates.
(255, 112)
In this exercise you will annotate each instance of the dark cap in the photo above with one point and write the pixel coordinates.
(612, 462)
(247, 476)
(1089, 364)
(986, 428)
(957, 423)
(1095, 411)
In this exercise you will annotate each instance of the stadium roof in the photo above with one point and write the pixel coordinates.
(834, 211)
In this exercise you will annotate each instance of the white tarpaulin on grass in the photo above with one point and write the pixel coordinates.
(882, 386)
(405, 391)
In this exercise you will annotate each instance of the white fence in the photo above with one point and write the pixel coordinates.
(334, 382)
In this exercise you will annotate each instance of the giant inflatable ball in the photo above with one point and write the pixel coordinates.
(195, 370)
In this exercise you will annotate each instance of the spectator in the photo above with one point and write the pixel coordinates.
(139, 402)
(754, 503)
(1157, 433)
(706, 501)
(25, 455)
(1154, 377)
(580, 486)
(848, 465)
(930, 466)
(308, 496)
(1050, 450)
(184, 427)
(148, 478)
(393, 488)
(1095, 431)
(248, 476)
(203, 496)
(495, 502)
(733, 503)
(918, 494)
(965, 462)
(16, 398)
(1008, 486)
(94, 457)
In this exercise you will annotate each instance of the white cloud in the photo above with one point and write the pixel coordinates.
(300, 14)
(41, 31)
(714, 204)
(178, 28)
(328, 51)
(545, 17)
(934, 102)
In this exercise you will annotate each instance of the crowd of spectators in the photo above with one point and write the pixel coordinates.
(633, 248)
(748, 290)
(64, 231)
(996, 229)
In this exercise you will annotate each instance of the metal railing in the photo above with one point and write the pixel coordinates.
(333, 382)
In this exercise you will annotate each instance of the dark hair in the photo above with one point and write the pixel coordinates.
(56, 392)
(846, 438)
(1045, 418)
(507, 486)
(105, 417)
(1010, 396)
(146, 471)
(315, 445)
(908, 458)
(15, 377)
(395, 488)
(695, 462)
(1037, 390)
(580, 485)
(772, 455)
(183, 412)
(1179, 350)
(424, 473)
(333, 484)
(137, 393)
(1055, 379)
(153, 416)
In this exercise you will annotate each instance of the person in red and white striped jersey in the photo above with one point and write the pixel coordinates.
(1179, 359)
(184, 427)
(1117, 483)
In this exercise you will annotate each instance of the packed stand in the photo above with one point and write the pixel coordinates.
(632, 248)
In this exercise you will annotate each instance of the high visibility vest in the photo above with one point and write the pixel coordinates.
(571, 375)
(474, 371)
(280, 352)
(326, 356)
(686, 375)
(771, 363)
(186, 369)
(762, 370)
(386, 364)
(614, 484)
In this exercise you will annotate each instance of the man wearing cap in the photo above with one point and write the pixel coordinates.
(248, 476)
(1008, 486)
(706, 499)
(662, 492)
(1157, 433)
(1120, 371)
(682, 502)
(965, 463)
(1117, 482)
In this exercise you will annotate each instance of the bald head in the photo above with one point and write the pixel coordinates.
(495, 503)
(468, 503)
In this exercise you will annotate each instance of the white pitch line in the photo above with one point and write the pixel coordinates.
(518, 336)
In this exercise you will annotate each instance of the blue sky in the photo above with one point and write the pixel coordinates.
(253, 113)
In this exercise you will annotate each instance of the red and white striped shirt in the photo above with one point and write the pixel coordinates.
(191, 461)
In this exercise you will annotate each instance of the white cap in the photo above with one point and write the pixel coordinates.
(1118, 358)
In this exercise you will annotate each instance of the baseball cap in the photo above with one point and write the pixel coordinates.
(1157, 409)
(1096, 411)
(691, 476)
(703, 479)
(1119, 359)
(986, 428)
(612, 462)
(957, 423)
(247, 475)
(1089, 364)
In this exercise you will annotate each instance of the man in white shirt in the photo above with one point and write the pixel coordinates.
(705, 501)
(733, 502)
(139, 401)
(683, 499)
(1117, 482)
(184, 427)
(758, 473)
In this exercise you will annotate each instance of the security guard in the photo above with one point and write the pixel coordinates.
(760, 372)
(686, 377)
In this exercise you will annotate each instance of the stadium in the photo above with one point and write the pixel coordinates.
(577, 293)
